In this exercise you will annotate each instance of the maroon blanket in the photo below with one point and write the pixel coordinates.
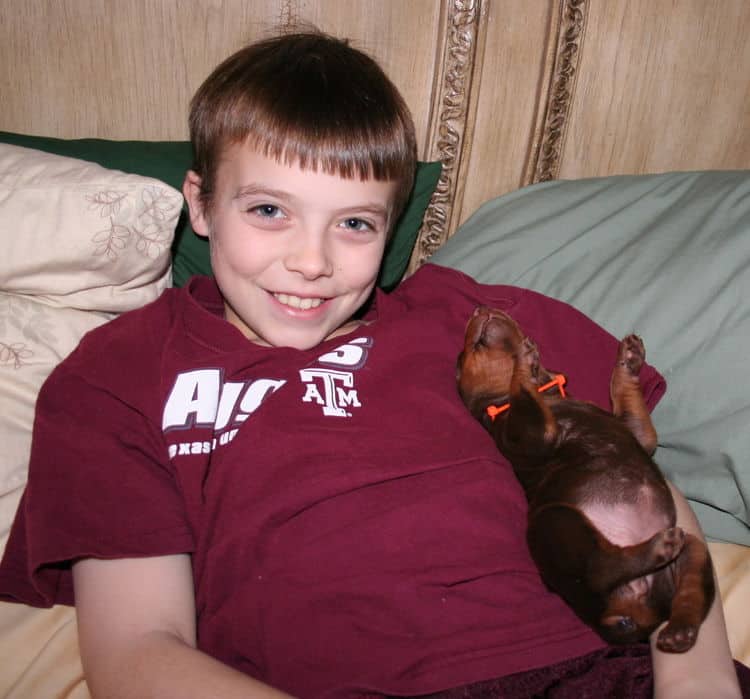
(622, 672)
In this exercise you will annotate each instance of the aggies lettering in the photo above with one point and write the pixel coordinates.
(199, 398)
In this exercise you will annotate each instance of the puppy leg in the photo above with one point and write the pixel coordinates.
(598, 579)
(530, 418)
(566, 541)
(692, 599)
(625, 391)
(526, 433)
(613, 566)
(562, 542)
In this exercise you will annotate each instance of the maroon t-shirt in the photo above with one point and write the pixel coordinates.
(352, 528)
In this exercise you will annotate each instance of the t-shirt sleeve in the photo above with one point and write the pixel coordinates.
(100, 485)
(569, 341)
(574, 345)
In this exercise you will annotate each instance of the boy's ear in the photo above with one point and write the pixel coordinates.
(191, 190)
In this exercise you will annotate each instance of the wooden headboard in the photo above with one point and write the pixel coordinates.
(504, 92)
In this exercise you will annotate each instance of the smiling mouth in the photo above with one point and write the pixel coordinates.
(303, 304)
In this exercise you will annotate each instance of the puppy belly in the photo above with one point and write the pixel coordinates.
(626, 524)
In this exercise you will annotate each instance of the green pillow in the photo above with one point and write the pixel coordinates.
(169, 160)
(666, 256)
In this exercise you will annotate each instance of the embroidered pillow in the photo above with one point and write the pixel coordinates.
(80, 243)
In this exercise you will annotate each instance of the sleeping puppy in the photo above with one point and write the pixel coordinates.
(601, 519)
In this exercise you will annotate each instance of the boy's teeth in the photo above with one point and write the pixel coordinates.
(297, 302)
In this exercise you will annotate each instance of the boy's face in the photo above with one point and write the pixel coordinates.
(295, 252)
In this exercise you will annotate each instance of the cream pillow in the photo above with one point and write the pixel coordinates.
(80, 235)
(80, 243)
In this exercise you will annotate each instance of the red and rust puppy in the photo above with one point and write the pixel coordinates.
(601, 523)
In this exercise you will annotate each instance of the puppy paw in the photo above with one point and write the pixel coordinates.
(677, 637)
(668, 545)
(632, 354)
(528, 356)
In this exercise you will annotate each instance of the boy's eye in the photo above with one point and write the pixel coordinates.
(357, 224)
(267, 211)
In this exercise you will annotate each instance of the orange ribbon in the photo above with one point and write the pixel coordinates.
(558, 380)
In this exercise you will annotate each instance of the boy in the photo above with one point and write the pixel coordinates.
(275, 487)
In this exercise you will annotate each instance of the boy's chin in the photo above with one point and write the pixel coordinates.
(305, 342)
(296, 340)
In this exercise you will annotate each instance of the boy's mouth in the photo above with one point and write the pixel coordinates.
(298, 302)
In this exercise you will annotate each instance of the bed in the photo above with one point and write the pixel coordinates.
(595, 151)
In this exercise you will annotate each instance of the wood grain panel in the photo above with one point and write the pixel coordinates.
(508, 99)
(127, 69)
(663, 85)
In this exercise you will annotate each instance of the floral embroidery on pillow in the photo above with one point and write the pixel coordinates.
(148, 222)
(30, 320)
(14, 354)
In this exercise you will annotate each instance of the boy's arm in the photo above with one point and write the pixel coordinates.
(136, 625)
(706, 670)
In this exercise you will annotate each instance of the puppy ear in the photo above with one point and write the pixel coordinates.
(530, 422)
(526, 434)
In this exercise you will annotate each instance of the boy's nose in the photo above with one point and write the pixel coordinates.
(309, 256)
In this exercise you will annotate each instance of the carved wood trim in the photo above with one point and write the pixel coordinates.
(568, 27)
(462, 45)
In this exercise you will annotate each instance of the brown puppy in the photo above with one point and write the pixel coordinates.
(601, 522)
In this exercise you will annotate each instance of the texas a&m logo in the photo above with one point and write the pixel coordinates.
(201, 398)
(331, 387)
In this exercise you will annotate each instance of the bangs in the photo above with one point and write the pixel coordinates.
(328, 115)
(306, 100)
(345, 152)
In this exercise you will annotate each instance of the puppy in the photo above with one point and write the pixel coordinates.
(601, 519)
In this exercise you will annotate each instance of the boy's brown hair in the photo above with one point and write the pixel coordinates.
(305, 98)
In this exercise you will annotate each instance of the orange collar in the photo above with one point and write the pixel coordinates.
(558, 380)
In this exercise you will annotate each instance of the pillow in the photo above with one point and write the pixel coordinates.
(79, 243)
(666, 256)
(169, 160)
(82, 236)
